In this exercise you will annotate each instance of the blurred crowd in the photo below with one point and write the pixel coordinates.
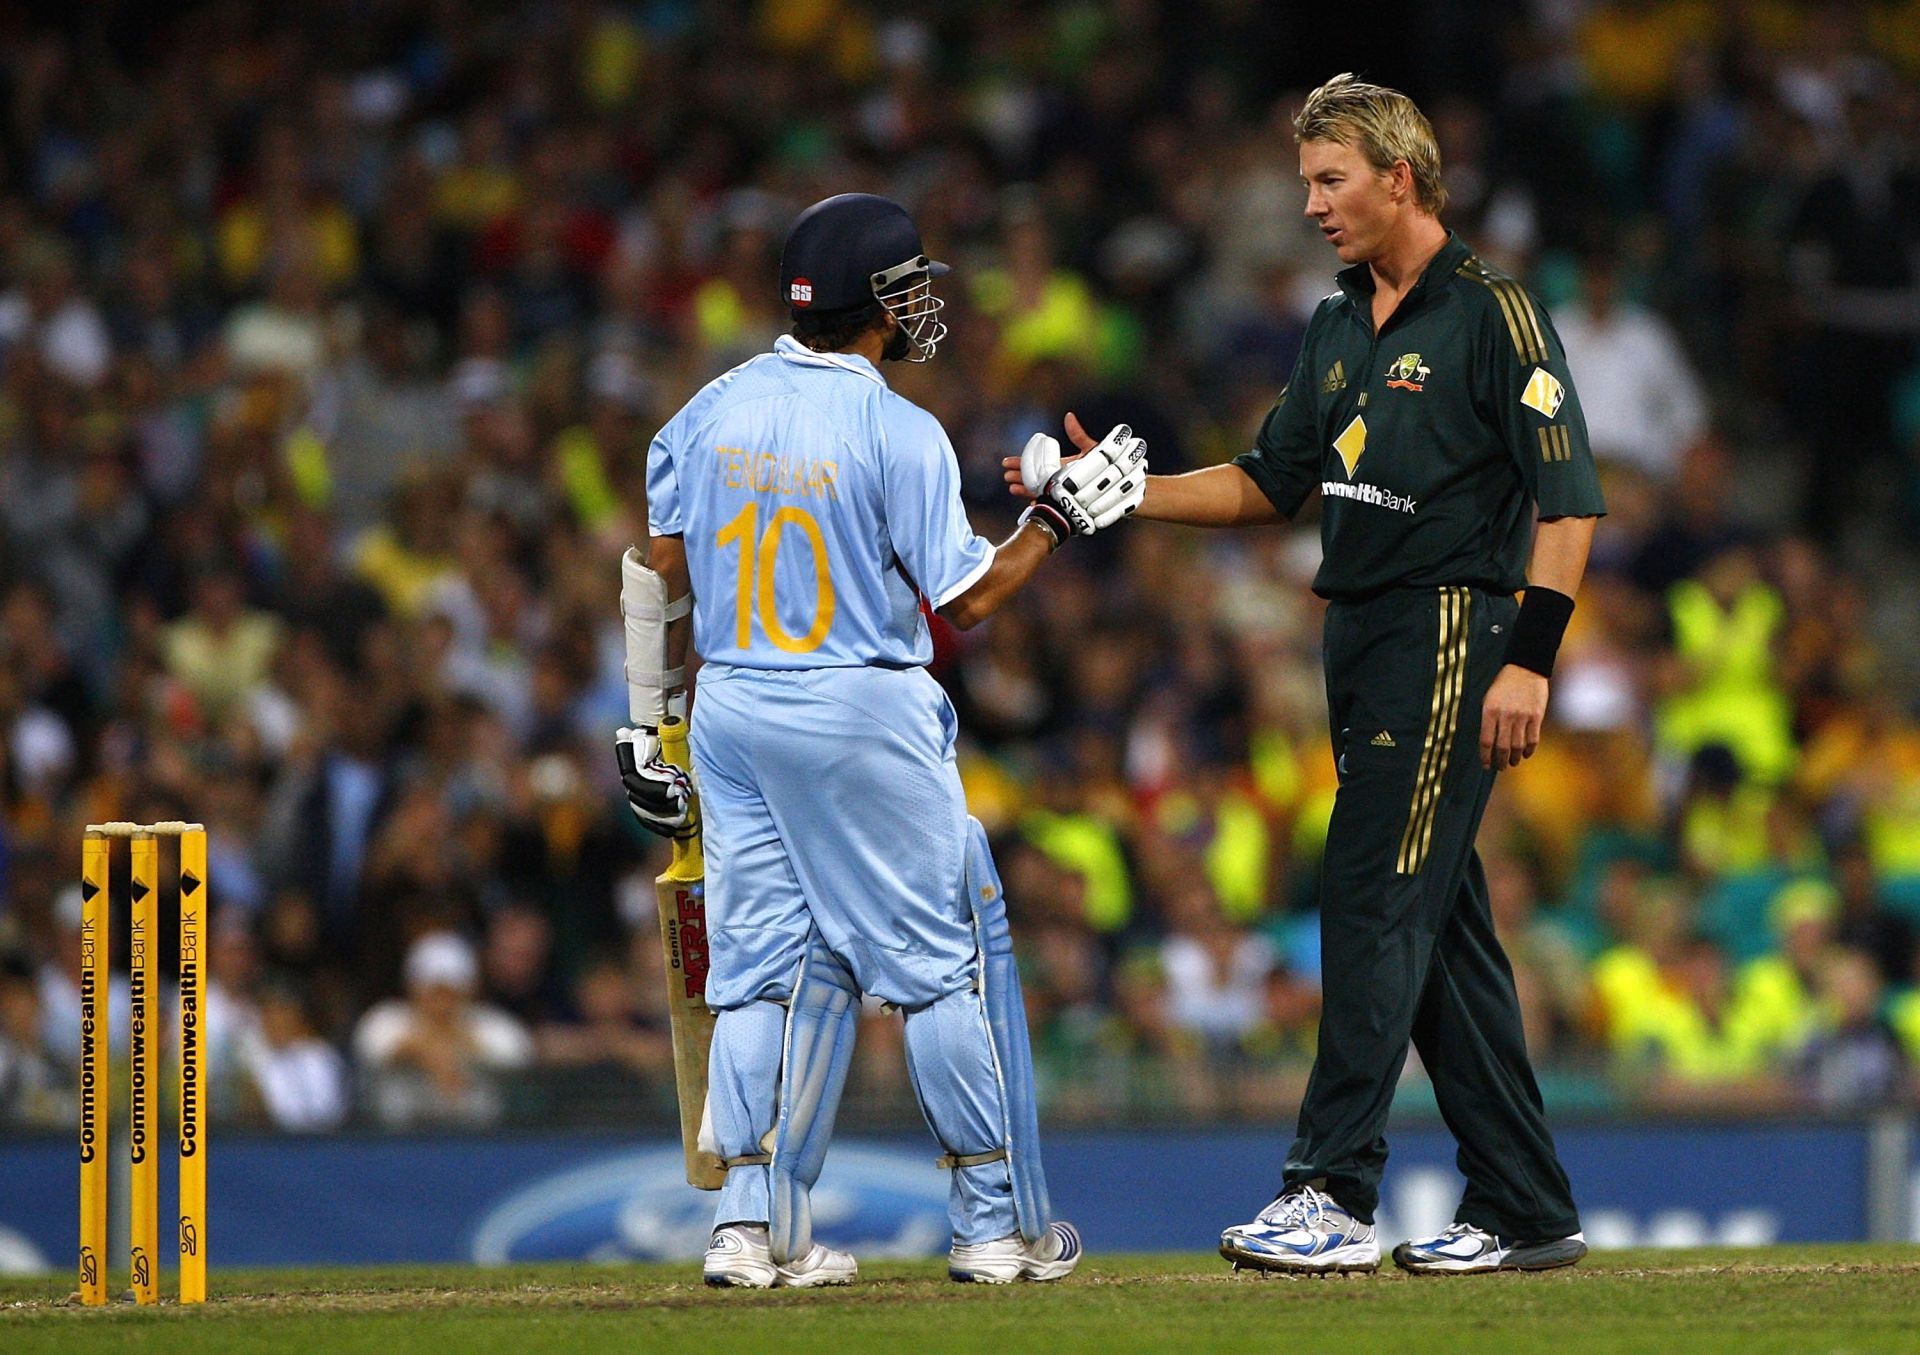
(330, 354)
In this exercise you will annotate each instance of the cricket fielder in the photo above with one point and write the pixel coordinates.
(810, 509)
(1432, 408)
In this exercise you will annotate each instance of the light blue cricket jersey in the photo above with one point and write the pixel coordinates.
(816, 506)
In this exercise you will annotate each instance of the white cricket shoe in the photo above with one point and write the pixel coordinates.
(738, 1257)
(1010, 1258)
(1303, 1232)
(1463, 1249)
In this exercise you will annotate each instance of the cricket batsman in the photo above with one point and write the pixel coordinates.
(809, 510)
(1432, 407)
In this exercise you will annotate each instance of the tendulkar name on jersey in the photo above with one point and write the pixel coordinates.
(816, 507)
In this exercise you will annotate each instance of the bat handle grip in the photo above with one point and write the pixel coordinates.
(689, 856)
(673, 743)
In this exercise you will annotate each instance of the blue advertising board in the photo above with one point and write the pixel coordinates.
(363, 1200)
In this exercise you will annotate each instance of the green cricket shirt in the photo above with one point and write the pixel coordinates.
(1431, 439)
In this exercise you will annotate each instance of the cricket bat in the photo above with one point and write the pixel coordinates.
(681, 893)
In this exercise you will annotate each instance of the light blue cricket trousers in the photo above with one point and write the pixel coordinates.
(833, 807)
(832, 800)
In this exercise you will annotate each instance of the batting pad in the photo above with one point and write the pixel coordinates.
(972, 1069)
(1006, 1011)
(822, 1018)
(743, 1081)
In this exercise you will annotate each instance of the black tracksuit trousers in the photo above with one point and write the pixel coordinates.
(1408, 949)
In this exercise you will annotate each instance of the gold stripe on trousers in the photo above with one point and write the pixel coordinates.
(1443, 724)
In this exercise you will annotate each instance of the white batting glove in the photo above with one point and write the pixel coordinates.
(1111, 492)
(1099, 488)
(1039, 459)
(659, 793)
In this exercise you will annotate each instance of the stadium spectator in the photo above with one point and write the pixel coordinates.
(221, 651)
(607, 1028)
(1643, 403)
(298, 1080)
(1867, 924)
(1855, 286)
(1216, 973)
(1548, 973)
(516, 960)
(231, 1015)
(48, 312)
(32, 1094)
(1852, 1059)
(435, 1055)
(327, 373)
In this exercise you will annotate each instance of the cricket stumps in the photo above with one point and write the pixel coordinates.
(143, 1048)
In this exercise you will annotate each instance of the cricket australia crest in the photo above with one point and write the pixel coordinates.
(1408, 373)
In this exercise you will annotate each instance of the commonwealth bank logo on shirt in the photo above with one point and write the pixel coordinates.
(1351, 445)
(1369, 494)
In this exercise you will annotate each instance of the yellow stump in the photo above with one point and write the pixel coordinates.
(94, 1028)
(144, 1064)
(193, 1122)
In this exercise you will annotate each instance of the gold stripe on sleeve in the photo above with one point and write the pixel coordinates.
(1524, 305)
(1523, 324)
(1506, 308)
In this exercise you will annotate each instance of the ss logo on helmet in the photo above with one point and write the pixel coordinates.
(801, 292)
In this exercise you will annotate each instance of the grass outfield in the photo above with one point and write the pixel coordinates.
(1801, 1299)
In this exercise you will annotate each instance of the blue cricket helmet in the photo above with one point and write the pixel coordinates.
(855, 249)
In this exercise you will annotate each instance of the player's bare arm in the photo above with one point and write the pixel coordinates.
(1071, 496)
(667, 557)
(1014, 562)
(1218, 496)
(1516, 704)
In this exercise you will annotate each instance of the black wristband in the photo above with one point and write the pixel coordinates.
(1539, 628)
(1049, 519)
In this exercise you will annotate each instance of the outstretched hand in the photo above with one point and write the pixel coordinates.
(1082, 494)
(1083, 442)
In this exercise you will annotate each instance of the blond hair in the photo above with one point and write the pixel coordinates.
(1382, 124)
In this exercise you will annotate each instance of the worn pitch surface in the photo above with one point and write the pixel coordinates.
(1801, 1299)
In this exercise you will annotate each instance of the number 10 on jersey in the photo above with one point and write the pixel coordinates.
(758, 557)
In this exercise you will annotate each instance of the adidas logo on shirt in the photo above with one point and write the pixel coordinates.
(1384, 740)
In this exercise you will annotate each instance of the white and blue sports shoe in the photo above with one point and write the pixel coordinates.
(1466, 1250)
(739, 1257)
(1006, 1259)
(1303, 1232)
